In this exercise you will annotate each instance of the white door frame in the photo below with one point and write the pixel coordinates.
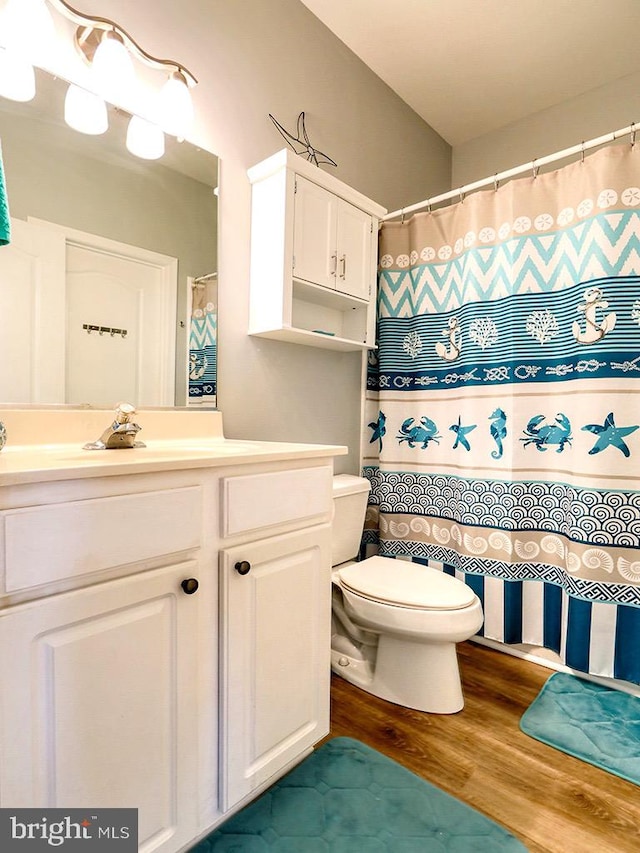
(168, 269)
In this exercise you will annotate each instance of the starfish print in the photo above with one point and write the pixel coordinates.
(303, 142)
(379, 429)
(610, 434)
(461, 434)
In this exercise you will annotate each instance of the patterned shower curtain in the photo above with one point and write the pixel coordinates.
(203, 343)
(503, 403)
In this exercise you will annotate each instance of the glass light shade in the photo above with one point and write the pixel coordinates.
(144, 139)
(85, 112)
(17, 77)
(27, 26)
(112, 71)
(175, 106)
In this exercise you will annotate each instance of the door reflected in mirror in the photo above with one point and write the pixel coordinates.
(109, 285)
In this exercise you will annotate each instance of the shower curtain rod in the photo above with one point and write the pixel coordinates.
(533, 165)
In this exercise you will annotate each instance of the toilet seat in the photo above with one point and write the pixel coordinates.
(404, 584)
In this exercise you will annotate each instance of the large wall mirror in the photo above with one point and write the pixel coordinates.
(112, 267)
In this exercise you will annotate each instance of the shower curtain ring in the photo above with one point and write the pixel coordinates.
(402, 217)
(582, 151)
(496, 182)
(535, 169)
(429, 206)
(633, 133)
(461, 194)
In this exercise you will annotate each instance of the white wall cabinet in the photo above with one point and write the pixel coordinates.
(122, 685)
(313, 256)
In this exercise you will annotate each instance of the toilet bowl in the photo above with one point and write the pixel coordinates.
(395, 624)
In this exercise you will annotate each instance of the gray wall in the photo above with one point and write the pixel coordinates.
(586, 117)
(252, 58)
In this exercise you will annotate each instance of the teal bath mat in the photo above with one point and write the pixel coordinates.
(348, 798)
(597, 724)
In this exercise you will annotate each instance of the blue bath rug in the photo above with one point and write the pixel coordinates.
(348, 798)
(598, 724)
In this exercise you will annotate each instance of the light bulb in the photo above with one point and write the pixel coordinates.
(17, 77)
(27, 26)
(175, 106)
(112, 70)
(144, 139)
(84, 111)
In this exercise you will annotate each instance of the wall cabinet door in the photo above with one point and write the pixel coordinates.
(315, 256)
(275, 647)
(354, 270)
(98, 706)
(332, 241)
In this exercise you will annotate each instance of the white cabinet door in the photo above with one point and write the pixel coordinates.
(332, 241)
(98, 705)
(276, 625)
(354, 246)
(314, 234)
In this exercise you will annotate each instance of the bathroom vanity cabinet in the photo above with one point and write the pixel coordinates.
(164, 627)
(313, 256)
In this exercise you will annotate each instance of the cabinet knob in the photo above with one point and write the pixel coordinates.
(243, 567)
(190, 585)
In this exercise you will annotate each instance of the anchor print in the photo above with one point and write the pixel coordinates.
(593, 330)
(454, 333)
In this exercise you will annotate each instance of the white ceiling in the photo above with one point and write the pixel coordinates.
(472, 66)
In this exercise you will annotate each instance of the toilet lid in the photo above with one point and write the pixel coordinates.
(406, 584)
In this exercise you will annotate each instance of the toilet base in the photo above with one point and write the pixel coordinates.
(431, 683)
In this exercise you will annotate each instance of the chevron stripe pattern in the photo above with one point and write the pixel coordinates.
(502, 427)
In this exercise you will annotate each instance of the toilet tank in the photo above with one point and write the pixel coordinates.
(350, 496)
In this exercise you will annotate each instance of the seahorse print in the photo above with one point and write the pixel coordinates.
(498, 431)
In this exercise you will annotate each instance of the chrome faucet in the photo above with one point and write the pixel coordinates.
(119, 434)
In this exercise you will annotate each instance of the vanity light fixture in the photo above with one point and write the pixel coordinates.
(109, 49)
(27, 35)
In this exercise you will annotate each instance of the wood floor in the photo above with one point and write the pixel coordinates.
(552, 802)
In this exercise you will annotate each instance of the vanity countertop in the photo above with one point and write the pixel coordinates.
(174, 440)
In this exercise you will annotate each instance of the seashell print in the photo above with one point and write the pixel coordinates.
(573, 563)
(596, 558)
(526, 550)
(420, 525)
(441, 534)
(630, 571)
(383, 524)
(500, 542)
(398, 529)
(552, 545)
(475, 544)
(455, 534)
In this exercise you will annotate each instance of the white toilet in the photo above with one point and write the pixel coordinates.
(395, 624)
